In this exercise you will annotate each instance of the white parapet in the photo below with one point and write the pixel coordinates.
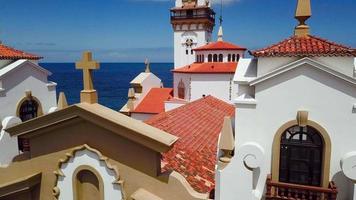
(8, 144)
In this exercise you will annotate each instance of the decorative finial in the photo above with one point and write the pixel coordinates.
(62, 101)
(147, 63)
(131, 101)
(221, 33)
(227, 140)
(87, 64)
(302, 14)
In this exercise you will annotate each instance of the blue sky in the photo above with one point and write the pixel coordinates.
(131, 30)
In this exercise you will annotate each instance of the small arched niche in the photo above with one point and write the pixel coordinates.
(88, 184)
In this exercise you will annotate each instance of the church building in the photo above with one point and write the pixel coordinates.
(296, 118)
(25, 93)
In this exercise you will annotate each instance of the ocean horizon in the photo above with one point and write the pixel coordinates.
(112, 80)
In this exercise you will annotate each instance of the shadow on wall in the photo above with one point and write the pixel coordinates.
(344, 185)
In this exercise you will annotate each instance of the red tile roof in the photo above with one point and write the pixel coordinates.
(208, 68)
(8, 53)
(153, 102)
(198, 125)
(219, 45)
(305, 46)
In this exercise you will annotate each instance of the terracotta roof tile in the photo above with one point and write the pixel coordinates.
(8, 53)
(198, 125)
(153, 102)
(219, 45)
(208, 67)
(305, 46)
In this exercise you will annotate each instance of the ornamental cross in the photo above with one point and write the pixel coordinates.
(87, 64)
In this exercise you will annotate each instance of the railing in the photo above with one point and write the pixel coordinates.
(201, 16)
(286, 191)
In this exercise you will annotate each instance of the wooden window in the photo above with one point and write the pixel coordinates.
(28, 110)
(181, 90)
(301, 157)
(210, 58)
(215, 59)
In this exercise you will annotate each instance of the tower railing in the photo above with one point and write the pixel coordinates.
(287, 191)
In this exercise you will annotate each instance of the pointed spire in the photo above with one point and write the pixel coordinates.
(302, 14)
(147, 63)
(227, 140)
(220, 34)
(62, 101)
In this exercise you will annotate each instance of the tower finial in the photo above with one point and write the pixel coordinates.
(221, 33)
(147, 63)
(302, 14)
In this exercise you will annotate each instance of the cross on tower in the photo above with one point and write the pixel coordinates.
(87, 64)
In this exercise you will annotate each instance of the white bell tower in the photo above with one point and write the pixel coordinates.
(193, 22)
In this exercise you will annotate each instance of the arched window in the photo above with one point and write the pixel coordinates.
(233, 58)
(202, 58)
(210, 58)
(221, 58)
(197, 58)
(229, 58)
(28, 109)
(181, 90)
(87, 186)
(301, 156)
(237, 57)
(215, 59)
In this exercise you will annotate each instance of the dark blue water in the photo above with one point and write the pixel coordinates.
(111, 80)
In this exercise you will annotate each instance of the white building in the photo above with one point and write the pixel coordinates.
(146, 96)
(25, 93)
(211, 74)
(193, 22)
(295, 122)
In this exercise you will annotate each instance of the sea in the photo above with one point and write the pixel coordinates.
(112, 80)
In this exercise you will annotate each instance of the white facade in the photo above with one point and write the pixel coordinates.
(189, 33)
(199, 85)
(18, 79)
(271, 92)
(184, 55)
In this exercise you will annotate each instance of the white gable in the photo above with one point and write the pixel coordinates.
(19, 64)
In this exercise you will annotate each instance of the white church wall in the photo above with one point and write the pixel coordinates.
(328, 100)
(8, 145)
(344, 65)
(26, 79)
(199, 37)
(268, 64)
(225, 54)
(177, 77)
(217, 85)
(4, 63)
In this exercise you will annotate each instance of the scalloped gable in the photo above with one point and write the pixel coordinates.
(101, 116)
